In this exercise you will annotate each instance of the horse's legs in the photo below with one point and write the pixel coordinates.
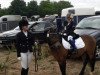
(62, 66)
(85, 61)
(92, 61)
(92, 64)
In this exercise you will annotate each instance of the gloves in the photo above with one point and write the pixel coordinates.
(19, 58)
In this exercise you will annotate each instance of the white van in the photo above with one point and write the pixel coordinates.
(79, 13)
(9, 22)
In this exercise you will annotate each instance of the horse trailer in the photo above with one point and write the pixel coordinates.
(78, 13)
(9, 22)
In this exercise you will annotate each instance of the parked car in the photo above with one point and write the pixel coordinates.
(39, 30)
(90, 26)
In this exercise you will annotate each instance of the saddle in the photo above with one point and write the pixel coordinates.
(79, 43)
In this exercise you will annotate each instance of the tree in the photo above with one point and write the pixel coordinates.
(0, 6)
(17, 7)
(32, 8)
(46, 7)
(3, 12)
(61, 5)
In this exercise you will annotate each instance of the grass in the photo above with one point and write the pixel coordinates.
(47, 64)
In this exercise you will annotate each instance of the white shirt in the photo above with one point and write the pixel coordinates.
(25, 33)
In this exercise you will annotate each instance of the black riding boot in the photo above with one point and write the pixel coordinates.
(27, 71)
(72, 43)
(24, 71)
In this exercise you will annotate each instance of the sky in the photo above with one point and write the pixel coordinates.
(76, 3)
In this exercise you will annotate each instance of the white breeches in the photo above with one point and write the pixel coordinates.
(26, 59)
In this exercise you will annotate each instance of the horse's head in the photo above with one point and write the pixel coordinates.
(52, 36)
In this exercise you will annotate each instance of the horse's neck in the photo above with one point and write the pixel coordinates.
(50, 43)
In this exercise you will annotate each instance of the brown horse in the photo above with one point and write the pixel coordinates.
(60, 53)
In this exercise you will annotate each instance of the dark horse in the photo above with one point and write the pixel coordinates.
(60, 53)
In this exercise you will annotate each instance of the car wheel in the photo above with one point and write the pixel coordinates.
(98, 50)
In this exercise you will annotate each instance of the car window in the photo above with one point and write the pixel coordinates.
(90, 22)
(47, 25)
(39, 27)
(17, 28)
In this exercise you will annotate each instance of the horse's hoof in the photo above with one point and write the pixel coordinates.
(81, 74)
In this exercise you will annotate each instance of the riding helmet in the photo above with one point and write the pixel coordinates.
(23, 23)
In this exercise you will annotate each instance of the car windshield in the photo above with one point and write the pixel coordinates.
(39, 27)
(89, 23)
(17, 28)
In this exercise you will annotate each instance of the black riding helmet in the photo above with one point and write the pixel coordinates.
(23, 23)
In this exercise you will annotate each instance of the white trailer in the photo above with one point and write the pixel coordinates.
(9, 22)
(79, 13)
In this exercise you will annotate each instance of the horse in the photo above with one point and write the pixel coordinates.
(88, 53)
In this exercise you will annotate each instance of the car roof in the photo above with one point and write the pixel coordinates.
(93, 17)
(31, 23)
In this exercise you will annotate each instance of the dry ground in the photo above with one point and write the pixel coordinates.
(47, 66)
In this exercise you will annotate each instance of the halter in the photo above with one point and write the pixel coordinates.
(52, 45)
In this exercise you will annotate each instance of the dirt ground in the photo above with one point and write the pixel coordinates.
(47, 66)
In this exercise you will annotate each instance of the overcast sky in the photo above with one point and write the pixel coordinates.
(76, 3)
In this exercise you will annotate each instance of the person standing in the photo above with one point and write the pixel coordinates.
(24, 43)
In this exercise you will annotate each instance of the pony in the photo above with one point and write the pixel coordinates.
(88, 53)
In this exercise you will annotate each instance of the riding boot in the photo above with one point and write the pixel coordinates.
(72, 43)
(27, 71)
(24, 71)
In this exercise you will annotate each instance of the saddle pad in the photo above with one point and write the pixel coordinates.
(78, 42)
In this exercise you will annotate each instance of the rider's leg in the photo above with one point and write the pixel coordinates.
(30, 55)
(72, 43)
(25, 61)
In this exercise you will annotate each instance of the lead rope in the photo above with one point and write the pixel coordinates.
(37, 53)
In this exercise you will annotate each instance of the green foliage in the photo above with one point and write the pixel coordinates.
(19, 7)
(63, 4)
(32, 8)
(3, 12)
(3, 66)
(46, 7)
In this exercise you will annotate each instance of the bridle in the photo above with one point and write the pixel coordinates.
(53, 34)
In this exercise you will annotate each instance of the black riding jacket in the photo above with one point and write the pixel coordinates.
(24, 43)
(69, 28)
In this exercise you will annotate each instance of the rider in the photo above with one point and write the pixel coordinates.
(69, 28)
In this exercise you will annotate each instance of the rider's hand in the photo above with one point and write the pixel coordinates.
(19, 58)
